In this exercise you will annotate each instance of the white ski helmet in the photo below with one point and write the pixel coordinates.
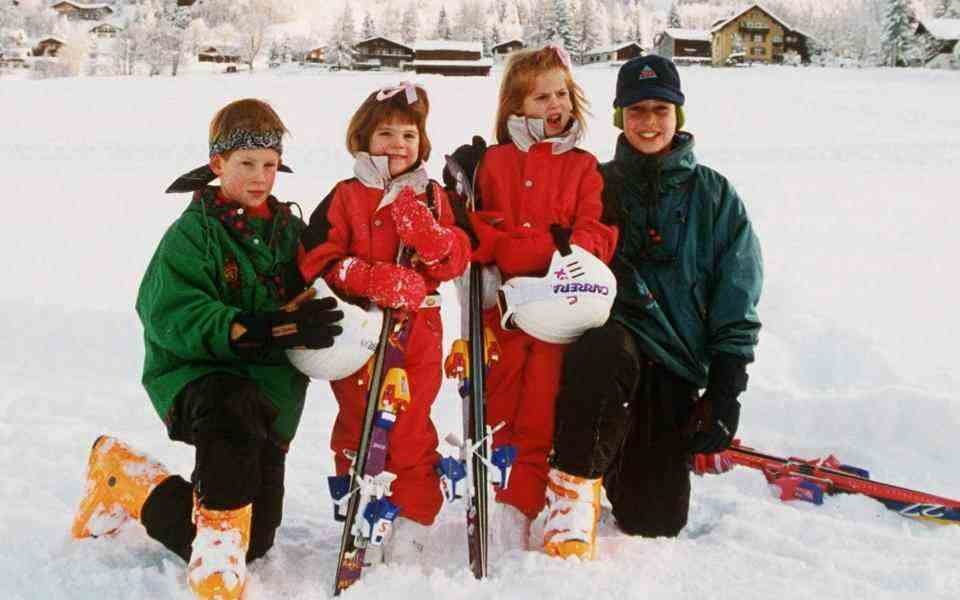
(575, 295)
(351, 349)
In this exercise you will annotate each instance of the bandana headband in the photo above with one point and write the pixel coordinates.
(408, 88)
(238, 139)
(245, 139)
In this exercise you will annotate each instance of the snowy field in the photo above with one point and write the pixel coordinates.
(850, 176)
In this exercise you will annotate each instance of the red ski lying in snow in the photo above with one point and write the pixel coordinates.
(809, 480)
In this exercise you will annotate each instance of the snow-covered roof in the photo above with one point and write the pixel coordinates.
(943, 29)
(426, 45)
(107, 23)
(772, 14)
(385, 38)
(483, 62)
(504, 43)
(84, 6)
(613, 48)
(691, 35)
(51, 38)
(9, 53)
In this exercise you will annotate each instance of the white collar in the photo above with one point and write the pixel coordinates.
(525, 132)
(374, 172)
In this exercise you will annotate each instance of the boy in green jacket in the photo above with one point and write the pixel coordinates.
(689, 273)
(220, 302)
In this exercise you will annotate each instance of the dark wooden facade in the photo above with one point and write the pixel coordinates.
(443, 57)
(684, 46)
(82, 11)
(381, 52)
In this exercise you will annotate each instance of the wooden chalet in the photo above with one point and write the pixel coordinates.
(48, 46)
(82, 11)
(945, 35)
(381, 53)
(760, 36)
(615, 53)
(105, 31)
(14, 58)
(685, 46)
(447, 57)
(501, 51)
(218, 55)
(317, 55)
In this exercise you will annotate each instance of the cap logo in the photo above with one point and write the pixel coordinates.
(648, 73)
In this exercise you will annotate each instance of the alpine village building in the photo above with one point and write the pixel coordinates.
(685, 46)
(83, 11)
(447, 57)
(944, 35)
(757, 35)
(379, 52)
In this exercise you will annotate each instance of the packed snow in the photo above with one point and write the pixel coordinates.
(850, 177)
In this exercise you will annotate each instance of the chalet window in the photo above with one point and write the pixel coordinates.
(759, 51)
(758, 37)
(777, 39)
(791, 38)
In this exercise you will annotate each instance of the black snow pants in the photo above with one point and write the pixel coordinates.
(227, 419)
(620, 416)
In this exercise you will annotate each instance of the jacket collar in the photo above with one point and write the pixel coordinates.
(670, 169)
(374, 172)
(525, 132)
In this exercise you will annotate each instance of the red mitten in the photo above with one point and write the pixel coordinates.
(712, 464)
(387, 285)
(487, 235)
(524, 252)
(454, 264)
(417, 227)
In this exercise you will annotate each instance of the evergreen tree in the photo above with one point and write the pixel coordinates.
(410, 26)
(896, 33)
(673, 17)
(369, 28)
(615, 23)
(342, 39)
(443, 32)
(587, 34)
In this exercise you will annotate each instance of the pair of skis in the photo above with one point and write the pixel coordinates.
(368, 513)
(810, 480)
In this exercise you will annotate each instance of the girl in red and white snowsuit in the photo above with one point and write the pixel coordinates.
(352, 242)
(533, 179)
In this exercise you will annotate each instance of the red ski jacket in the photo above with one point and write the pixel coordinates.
(524, 193)
(351, 222)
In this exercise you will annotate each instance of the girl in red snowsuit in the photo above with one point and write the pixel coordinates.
(352, 242)
(534, 178)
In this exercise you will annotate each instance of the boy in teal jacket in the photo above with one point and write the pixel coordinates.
(220, 302)
(689, 273)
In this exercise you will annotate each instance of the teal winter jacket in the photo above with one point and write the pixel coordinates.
(688, 264)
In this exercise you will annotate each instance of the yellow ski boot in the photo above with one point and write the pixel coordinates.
(574, 513)
(218, 562)
(119, 479)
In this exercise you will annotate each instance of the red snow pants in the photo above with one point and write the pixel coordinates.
(412, 453)
(521, 391)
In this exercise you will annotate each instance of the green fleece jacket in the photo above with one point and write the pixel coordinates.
(213, 263)
(688, 264)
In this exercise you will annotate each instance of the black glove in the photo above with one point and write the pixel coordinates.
(468, 157)
(716, 416)
(311, 325)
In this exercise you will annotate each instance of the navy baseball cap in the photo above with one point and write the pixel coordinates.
(648, 78)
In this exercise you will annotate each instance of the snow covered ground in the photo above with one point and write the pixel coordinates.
(851, 178)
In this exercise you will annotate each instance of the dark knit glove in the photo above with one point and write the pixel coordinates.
(311, 324)
(716, 416)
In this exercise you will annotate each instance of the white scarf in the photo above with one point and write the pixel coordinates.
(525, 132)
(374, 172)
